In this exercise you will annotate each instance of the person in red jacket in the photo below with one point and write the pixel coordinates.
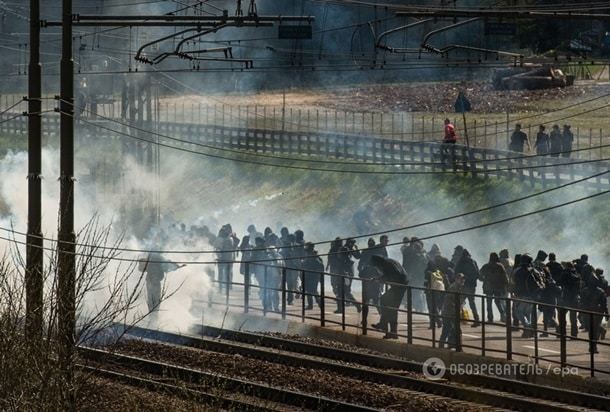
(448, 145)
(450, 135)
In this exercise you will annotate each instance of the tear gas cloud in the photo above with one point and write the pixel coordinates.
(193, 191)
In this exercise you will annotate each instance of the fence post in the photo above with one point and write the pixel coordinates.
(409, 315)
(322, 301)
(365, 309)
(590, 143)
(592, 342)
(433, 316)
(508, 129)
(601, 142)
(264, 290)
(483, 320)
(303, 297)
(342, 302)
(246, 287)
(534, 323)
(562, 336)
(413, 127)
(458, 325)
(228, 283)
(509, 328)
(284, 293)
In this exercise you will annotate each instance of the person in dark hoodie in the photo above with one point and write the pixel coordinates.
(495, 285)
(594, 300)
(468, 266)
(571, 287)
(414, 262)
(392, 272)
(548, 294)
(457, 255)
(334, 265)
(555, 268)
(371, 289)
(313, 266)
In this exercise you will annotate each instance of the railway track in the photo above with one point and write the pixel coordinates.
(178, 391)
(476, 389)
(182, 375)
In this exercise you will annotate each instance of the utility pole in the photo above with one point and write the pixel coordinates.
(34, 255)
(66, 267)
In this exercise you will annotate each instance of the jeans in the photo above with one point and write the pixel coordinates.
(468, 292)
(500, 304)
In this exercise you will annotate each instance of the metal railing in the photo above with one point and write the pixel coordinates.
(401, 155)
(595, 348)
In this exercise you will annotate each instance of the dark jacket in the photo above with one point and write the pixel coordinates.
(495, 279)
(571, 285)
(345, 260)
(449, 301)
(391, 271)
(365, 269)
(313, 266)
(414, 261)
(555, 269)
(594, 299)
(527, 282)
(470, 269)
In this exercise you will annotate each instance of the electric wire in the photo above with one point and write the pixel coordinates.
(429, 237)
(317, 243)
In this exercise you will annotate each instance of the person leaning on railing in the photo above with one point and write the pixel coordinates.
(393, 273)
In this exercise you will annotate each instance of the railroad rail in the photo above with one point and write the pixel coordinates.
(403, 155)
(261, 391)
(480, 389)
(225, 402)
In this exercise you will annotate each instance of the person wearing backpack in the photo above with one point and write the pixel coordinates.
(436, 283)
(495, 285)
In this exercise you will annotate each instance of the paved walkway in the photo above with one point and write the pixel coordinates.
(494, 342)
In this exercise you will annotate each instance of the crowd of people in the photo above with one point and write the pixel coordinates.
(441, 285)
(554, 144)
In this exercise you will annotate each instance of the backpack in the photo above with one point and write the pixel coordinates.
(436, 281)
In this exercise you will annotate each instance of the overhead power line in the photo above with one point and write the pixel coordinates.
(392, 230)
(442, 234)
